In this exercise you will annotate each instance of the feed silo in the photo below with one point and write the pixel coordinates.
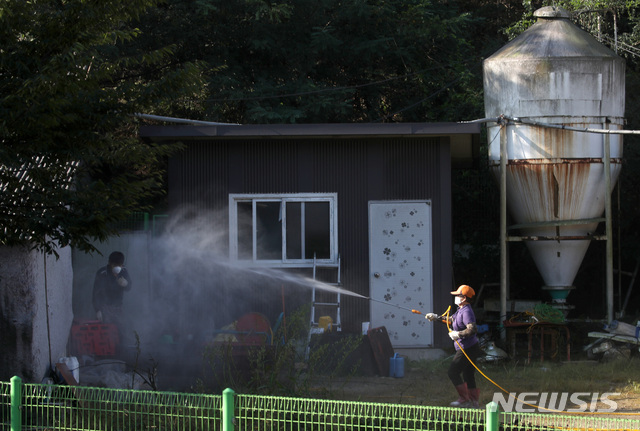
(555, 75)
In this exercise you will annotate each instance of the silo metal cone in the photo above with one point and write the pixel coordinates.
(555, 73)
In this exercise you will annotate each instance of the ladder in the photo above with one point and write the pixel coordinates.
(324, 300)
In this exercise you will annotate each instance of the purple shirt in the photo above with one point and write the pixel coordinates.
(460, 320)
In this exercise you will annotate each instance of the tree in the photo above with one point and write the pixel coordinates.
(315, 61)
(71, 79)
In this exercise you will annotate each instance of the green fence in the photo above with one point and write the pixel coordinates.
(55, 407)
(277, 413)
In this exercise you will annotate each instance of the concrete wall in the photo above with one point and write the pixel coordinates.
(35, 311)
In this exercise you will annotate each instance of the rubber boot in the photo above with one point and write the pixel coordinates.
(474, 395)
(463, 399)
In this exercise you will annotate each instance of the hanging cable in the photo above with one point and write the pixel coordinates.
(46, 302)
(322, 90)
(570, 128)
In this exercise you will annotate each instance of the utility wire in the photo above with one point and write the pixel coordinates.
(621, 45)
(447, 86)
(431, 96)
(563, 127)
(322, 90)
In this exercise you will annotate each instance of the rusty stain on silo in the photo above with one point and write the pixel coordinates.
(555, 73)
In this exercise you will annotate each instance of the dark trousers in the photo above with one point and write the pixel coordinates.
(461, 370)
(114, 315)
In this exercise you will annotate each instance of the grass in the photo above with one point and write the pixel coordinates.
(577, 376)
(426, 382)
(568, 377)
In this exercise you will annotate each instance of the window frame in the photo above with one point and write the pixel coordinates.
(284, 262)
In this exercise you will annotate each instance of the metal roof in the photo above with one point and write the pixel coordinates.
(553, 35)
(309, 130)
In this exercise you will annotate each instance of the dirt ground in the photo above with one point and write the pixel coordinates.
(430, 386)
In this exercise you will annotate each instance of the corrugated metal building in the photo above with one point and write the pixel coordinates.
(376, 195)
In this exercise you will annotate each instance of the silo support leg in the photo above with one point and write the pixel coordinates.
(609, 227)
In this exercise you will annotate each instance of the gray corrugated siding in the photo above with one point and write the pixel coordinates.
(359, 170)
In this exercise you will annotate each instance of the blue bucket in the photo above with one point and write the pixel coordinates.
(396, 366)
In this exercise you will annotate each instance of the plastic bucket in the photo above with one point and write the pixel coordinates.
(73, 365)
(396, 366)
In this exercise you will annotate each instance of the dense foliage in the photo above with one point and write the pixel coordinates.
(71, 79)
(325, 61)
(73, 72)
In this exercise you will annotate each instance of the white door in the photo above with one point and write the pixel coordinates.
(400, 266)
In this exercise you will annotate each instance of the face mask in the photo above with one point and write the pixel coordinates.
(458, 300)
(117, 269)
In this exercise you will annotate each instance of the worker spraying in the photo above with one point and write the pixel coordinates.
(461, 371)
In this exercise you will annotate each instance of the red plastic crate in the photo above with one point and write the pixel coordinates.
(106, 340)
(99, 339)
(81, 340)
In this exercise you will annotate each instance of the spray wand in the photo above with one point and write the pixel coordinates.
(414, 311)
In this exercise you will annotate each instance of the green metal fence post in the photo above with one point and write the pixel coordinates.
(228, 409)
(492, 418)
(16, 402)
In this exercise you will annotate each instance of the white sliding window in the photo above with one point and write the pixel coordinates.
(283, 230)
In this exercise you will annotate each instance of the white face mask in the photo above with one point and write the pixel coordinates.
(458, 300)
(117, 269)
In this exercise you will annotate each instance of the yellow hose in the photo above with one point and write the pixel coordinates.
(446, 315)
